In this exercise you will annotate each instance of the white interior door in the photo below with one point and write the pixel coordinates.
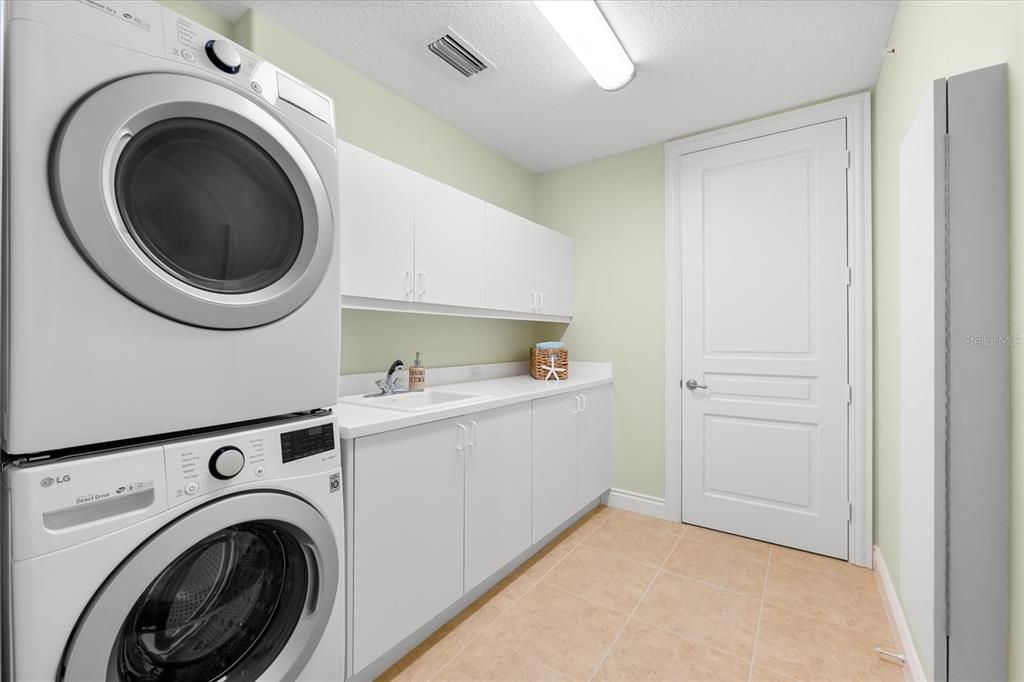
(764, 315)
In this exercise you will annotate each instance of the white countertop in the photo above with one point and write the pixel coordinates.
(356, 421)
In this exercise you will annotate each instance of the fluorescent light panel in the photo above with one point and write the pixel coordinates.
(585, 30)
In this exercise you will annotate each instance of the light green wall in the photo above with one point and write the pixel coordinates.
(938, 39)
(614, 209)
(443, 341)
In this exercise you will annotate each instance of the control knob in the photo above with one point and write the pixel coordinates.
(224, 55)
(227, 462)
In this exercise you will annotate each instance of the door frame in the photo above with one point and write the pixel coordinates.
(856, 109)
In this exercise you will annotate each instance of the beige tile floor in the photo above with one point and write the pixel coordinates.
(620, 596)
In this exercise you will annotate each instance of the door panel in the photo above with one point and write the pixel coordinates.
(498, 484)
(449, 245)
(554, 462)
(509, 260)
(765, 330)
(408, 539)
(377, 234)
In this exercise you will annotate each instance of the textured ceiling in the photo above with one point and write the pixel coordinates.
(700, 65)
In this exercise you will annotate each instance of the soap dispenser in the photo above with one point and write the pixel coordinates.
(417, 375)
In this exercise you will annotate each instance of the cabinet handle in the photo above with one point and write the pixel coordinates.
(579, 405)
(410, 290)
(540, 301)
(461, 435)
(533, 301)
(422, 277)
(472, 434)
(583, 397)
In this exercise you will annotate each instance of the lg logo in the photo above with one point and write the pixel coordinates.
(50, 480)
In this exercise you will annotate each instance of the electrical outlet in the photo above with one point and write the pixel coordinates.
(475, 372)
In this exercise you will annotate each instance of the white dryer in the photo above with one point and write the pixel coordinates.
(170, 234)
(193, 560)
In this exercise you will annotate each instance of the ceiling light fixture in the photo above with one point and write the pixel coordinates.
(580, 24)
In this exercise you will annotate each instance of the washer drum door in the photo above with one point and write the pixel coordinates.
(207, 209)
(240, 589)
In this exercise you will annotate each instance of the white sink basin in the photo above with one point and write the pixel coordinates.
(413, 401)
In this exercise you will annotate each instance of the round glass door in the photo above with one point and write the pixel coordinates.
(237, 590)
(196, 201)
(209, 205)
(221, 611)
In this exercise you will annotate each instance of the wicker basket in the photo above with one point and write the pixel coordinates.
(540, 363)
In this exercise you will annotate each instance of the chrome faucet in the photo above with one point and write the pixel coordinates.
(390, 384)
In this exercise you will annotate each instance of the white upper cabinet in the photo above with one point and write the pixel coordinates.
(552, 275)
(411, 243)
(377, 208)
(449, 245)
(509, 261)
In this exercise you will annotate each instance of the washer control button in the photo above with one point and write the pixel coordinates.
(192, 488)
(227, 462)
(188, 55)
(260, 471)
(256, 87)
(224, 56)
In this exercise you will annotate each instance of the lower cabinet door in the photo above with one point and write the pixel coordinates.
(554, 462)
(408, 537)
(498, 481)
(594, 471)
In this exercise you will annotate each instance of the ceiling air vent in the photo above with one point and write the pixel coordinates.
(457, 55)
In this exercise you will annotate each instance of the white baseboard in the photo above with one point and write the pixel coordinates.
(637, 502)
(913, 671)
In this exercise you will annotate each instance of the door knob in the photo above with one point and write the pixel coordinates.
(693, 385)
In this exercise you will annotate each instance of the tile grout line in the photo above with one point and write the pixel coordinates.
(516, 600)
(804, 614)
(827, 574)
(760, 613)
(690, 640)
(632, 613)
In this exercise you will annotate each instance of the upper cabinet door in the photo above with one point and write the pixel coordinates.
(449, 245)
(509, 254)
(376, 226)
(552, 271)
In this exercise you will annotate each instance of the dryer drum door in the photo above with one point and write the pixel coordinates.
(206, 208)
(239, 589)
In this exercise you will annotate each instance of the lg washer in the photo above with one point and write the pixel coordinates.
(219, 558)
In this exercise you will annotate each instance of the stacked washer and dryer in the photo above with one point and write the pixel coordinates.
(171, 482)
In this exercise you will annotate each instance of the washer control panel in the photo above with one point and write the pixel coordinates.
(199, 467)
